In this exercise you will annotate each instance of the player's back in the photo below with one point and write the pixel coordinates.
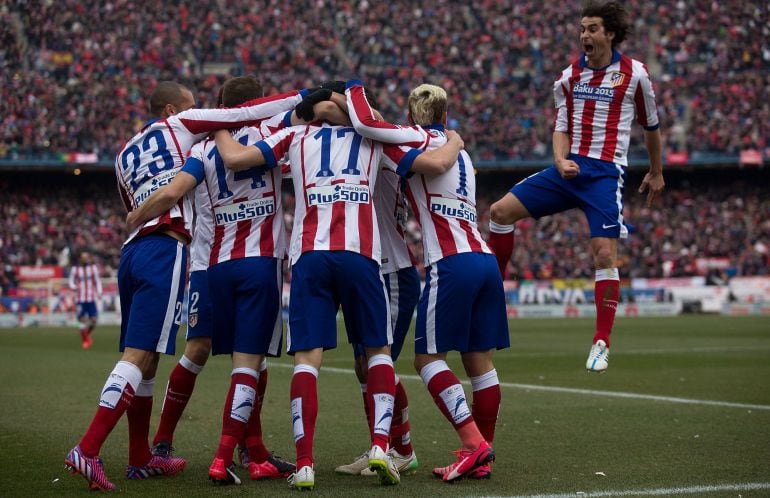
(334, 172)
(246, 205)
(150, 160)
(445, 206)
(152, 157)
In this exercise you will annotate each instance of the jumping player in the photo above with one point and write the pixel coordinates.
(597, 98)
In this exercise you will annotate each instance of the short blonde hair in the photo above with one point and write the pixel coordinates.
(427, 104)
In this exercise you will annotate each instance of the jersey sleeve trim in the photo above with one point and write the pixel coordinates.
(194, 167)
(406, 162)
(267, 152)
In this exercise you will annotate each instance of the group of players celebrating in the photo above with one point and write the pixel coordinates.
(212, 178)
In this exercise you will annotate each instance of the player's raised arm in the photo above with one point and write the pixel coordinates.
(366, 123)
(199, 121)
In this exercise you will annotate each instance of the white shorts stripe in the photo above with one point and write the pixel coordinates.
(394, 296)
(430, 319)
(168, 321)
(619, 202)
(390, 323)
(278, 327)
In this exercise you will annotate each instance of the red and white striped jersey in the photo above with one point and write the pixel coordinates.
(246, 205)
(596, 106)
(85, 281)
(153, 156)
(203, 228)
(444, 205)
(334, 171)
(391, 208)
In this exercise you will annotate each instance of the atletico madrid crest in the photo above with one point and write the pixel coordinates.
(193, 319)
(616, 79)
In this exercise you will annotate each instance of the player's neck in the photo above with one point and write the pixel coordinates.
(597, 61)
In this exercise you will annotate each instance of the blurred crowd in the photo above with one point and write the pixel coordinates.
(47, 219)
(75, 73)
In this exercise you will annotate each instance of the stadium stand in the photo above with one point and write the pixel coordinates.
(72, 70)
(73, 74)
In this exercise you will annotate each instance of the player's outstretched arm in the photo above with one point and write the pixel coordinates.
(437, 161)
(161, 200)
(653, 181)
(237, 157)
(366, 123)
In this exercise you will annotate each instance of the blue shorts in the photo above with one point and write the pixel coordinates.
(597, 191)
(247, 306)
(403, 293)
(462, 307)
(151, 281)
(199, 320)
(87, 309)
(321, 282)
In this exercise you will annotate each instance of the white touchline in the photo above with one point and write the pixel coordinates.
(573, 390)
(716, 488)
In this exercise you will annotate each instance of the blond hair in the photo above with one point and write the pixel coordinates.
(427, 104)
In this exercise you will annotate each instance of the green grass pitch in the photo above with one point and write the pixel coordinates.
(561, 430)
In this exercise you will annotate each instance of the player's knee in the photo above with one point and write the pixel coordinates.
(604, 257)
(197, 350)
(507, 210)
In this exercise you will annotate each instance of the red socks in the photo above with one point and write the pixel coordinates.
(254, 442)
(139, 414)
(115, 399)
(304, 410)
(606, 295)
(381, 386)
(501, 243)
(180, 387)
(449, 396)
(486, 403)
(400, 436)
(237, 411)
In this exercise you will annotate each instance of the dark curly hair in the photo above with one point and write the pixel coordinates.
(614, 17)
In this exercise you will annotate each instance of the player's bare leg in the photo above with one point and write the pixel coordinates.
(503, 214)
(606, 295)
(449, 396)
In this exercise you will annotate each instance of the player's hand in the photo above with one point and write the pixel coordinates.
(654, 184)
(568, 169)
(304, 109)
(452, 135)
(334, 86)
